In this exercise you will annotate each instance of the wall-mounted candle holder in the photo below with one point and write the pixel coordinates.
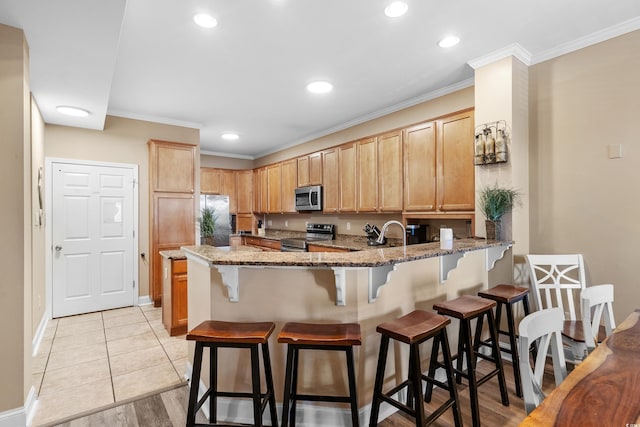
(490, 144)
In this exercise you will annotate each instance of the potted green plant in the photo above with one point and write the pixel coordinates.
(207, 222)
(494, 202)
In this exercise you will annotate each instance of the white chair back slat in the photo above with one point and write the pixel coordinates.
(543, 328)
(597, 309)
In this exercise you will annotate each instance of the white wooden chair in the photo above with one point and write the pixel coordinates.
(597, 308)
(544, 329)
(557, 281)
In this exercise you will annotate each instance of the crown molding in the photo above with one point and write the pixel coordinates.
(514, 49)
(591, 39)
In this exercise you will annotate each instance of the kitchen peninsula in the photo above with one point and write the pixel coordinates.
(368, 287)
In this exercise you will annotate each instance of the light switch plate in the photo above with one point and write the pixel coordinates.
(614, 151)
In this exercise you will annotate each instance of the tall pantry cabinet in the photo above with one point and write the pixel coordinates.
(172, 211)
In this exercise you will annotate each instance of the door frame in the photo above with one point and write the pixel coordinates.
(48, 188)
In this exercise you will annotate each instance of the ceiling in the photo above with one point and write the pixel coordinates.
(146, 59)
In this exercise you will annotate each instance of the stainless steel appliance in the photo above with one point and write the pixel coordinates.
(309, 198)
(315, 232)
(220, 206)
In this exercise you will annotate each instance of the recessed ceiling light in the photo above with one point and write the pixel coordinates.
(395, 9)
(205, 20)
(319, 87)
(72, 111)
(229, 136)
(449, 41)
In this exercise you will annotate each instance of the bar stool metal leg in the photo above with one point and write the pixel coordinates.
(268, 373)
(377, 388)
(352, 386)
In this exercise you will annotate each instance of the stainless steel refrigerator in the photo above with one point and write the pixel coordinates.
(220, 206)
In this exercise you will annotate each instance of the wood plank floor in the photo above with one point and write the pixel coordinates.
(169, 408)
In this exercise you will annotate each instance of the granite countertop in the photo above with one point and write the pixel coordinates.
(370, 257)
(173, 254)
(342, 241)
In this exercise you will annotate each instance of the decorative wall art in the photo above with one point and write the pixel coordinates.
(490, 144)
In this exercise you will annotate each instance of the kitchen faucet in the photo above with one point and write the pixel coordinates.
(384, 229)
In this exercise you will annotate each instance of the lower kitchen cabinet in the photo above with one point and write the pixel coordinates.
(174, 295)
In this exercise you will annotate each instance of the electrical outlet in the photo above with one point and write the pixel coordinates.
(348, 226)
(286, 223)
(269, 223)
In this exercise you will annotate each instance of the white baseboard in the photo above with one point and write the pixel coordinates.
(20, 416)
(37, 338)
(307, 415)
(144, 300)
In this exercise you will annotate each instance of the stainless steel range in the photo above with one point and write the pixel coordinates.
(315, 232)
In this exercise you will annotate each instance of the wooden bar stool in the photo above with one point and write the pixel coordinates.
(466, 308)
(309, 336)
(215, 335)
(507, 296)
(414, 329)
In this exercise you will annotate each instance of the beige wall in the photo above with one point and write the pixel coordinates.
(582, 201)
(208, 161)
(121, 141)
(427, 110)
(15, 255)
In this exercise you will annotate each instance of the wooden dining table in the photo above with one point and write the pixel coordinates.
(603, 390)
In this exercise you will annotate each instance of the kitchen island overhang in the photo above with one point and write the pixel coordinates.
(379, 262)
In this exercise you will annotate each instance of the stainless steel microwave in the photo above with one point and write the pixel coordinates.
(309, 198)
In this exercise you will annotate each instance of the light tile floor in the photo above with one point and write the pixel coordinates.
(94, 360)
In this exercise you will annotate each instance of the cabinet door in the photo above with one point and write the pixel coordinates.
(172, 167)
(257, 192)
(303, 171)
(244, 222)
(264, 191)
(228, 188)
(456, 174)
(420, 167)
(210, 179)
(330, 180)
(173, 227)
(289, 184)
(274, 185)
(390, 183)
(179, 312)
(244, 180)
(347, 177)
(315, 169)
(367, 172)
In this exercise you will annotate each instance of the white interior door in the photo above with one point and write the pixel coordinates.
(92, 221)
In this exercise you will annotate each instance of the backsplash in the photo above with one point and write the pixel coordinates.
(354, 224)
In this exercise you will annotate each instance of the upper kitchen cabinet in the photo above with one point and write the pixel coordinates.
(310, 170)
(380, 173)
(347, 176)
(210, 181)
(289, 181)
(228, 188)
(420, 168)
(274, 188)
(367, 175)
(389, 172)
(456, 174)
(438, 165)
(172, 166)
(330, 186)
(244, 182)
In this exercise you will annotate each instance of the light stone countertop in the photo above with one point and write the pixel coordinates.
(370, 257)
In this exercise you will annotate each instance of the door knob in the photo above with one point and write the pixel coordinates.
(58, 248)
